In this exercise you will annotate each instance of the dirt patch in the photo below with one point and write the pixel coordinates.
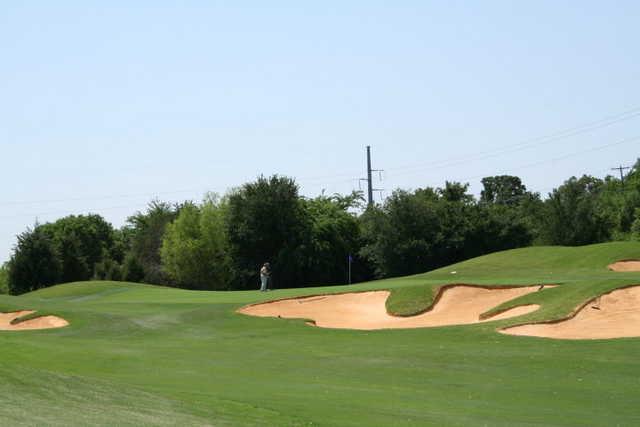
(625, 265)
(43, 322)
(613, 315)
(456, 305)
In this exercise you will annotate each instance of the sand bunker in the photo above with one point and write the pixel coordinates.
(43, 322)
(626, 265)
(613, 315)
(456, 305)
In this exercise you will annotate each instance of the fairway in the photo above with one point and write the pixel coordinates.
(146, 355)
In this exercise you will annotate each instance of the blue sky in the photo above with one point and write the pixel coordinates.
(106, 105)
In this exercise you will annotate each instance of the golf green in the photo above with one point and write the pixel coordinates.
(146, 355)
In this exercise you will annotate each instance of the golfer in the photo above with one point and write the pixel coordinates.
(265, 273)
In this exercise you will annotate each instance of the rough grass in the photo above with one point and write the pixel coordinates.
(143, 355)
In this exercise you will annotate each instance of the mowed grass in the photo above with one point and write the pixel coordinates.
(146, 355)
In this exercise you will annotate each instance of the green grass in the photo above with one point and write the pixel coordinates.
(410, 300)
(145, 355)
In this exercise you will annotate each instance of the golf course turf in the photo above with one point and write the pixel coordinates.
(147, 355)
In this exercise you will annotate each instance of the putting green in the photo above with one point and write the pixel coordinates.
(146, 355)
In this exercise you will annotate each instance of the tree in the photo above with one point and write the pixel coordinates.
(81, 242)
(430, 228)
(496, 227)
(107, 269)
(132, 270)
(618, 201)
(574, 215)
(145, 231)
(531, 212)
(266, 221)
(502, 190)
(334, 235)
(374, 225)
(4, 279)
(34, 264)
(194, 250)
(414, 232)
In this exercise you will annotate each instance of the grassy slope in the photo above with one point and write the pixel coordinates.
(138, 355)
(582, 271)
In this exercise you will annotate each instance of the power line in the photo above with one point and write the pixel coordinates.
(511, 148)
(441, 164)
(555, 159)
(530, 143)
(517, 168)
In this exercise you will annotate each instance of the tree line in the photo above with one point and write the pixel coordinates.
(219, 243)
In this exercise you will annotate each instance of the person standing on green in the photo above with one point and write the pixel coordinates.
(265, 273)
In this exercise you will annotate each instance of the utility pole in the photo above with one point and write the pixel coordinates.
(369, 180)
(621, 169)
(369, 183)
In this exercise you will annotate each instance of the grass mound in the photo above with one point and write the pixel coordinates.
(585, 267)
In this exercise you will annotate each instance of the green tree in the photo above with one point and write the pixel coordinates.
(574, 214)
(334, 235)
(132, 270)
(34, 264)
(496, 227)
(194, 250)
(374, 226)
(4, 279)
(618, 202)
(267, 221)
(144, 232)
(406, 235)
(502, 190)
(107, 269)
(81, 242)
(417, 231)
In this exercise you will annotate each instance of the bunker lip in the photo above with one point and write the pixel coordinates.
(455, 304)
(625, 265)
(519, 310)
(11, 321)
(441, 289)
(616, 321)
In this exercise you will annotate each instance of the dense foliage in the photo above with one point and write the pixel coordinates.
(195, 248)
(428, 228)
(35, 263)
(143, 236)
(4, 280)
(221, 243)
(266, 221)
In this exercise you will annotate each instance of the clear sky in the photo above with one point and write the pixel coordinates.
(106, 105)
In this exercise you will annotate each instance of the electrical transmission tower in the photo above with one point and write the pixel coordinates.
(369, 178)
